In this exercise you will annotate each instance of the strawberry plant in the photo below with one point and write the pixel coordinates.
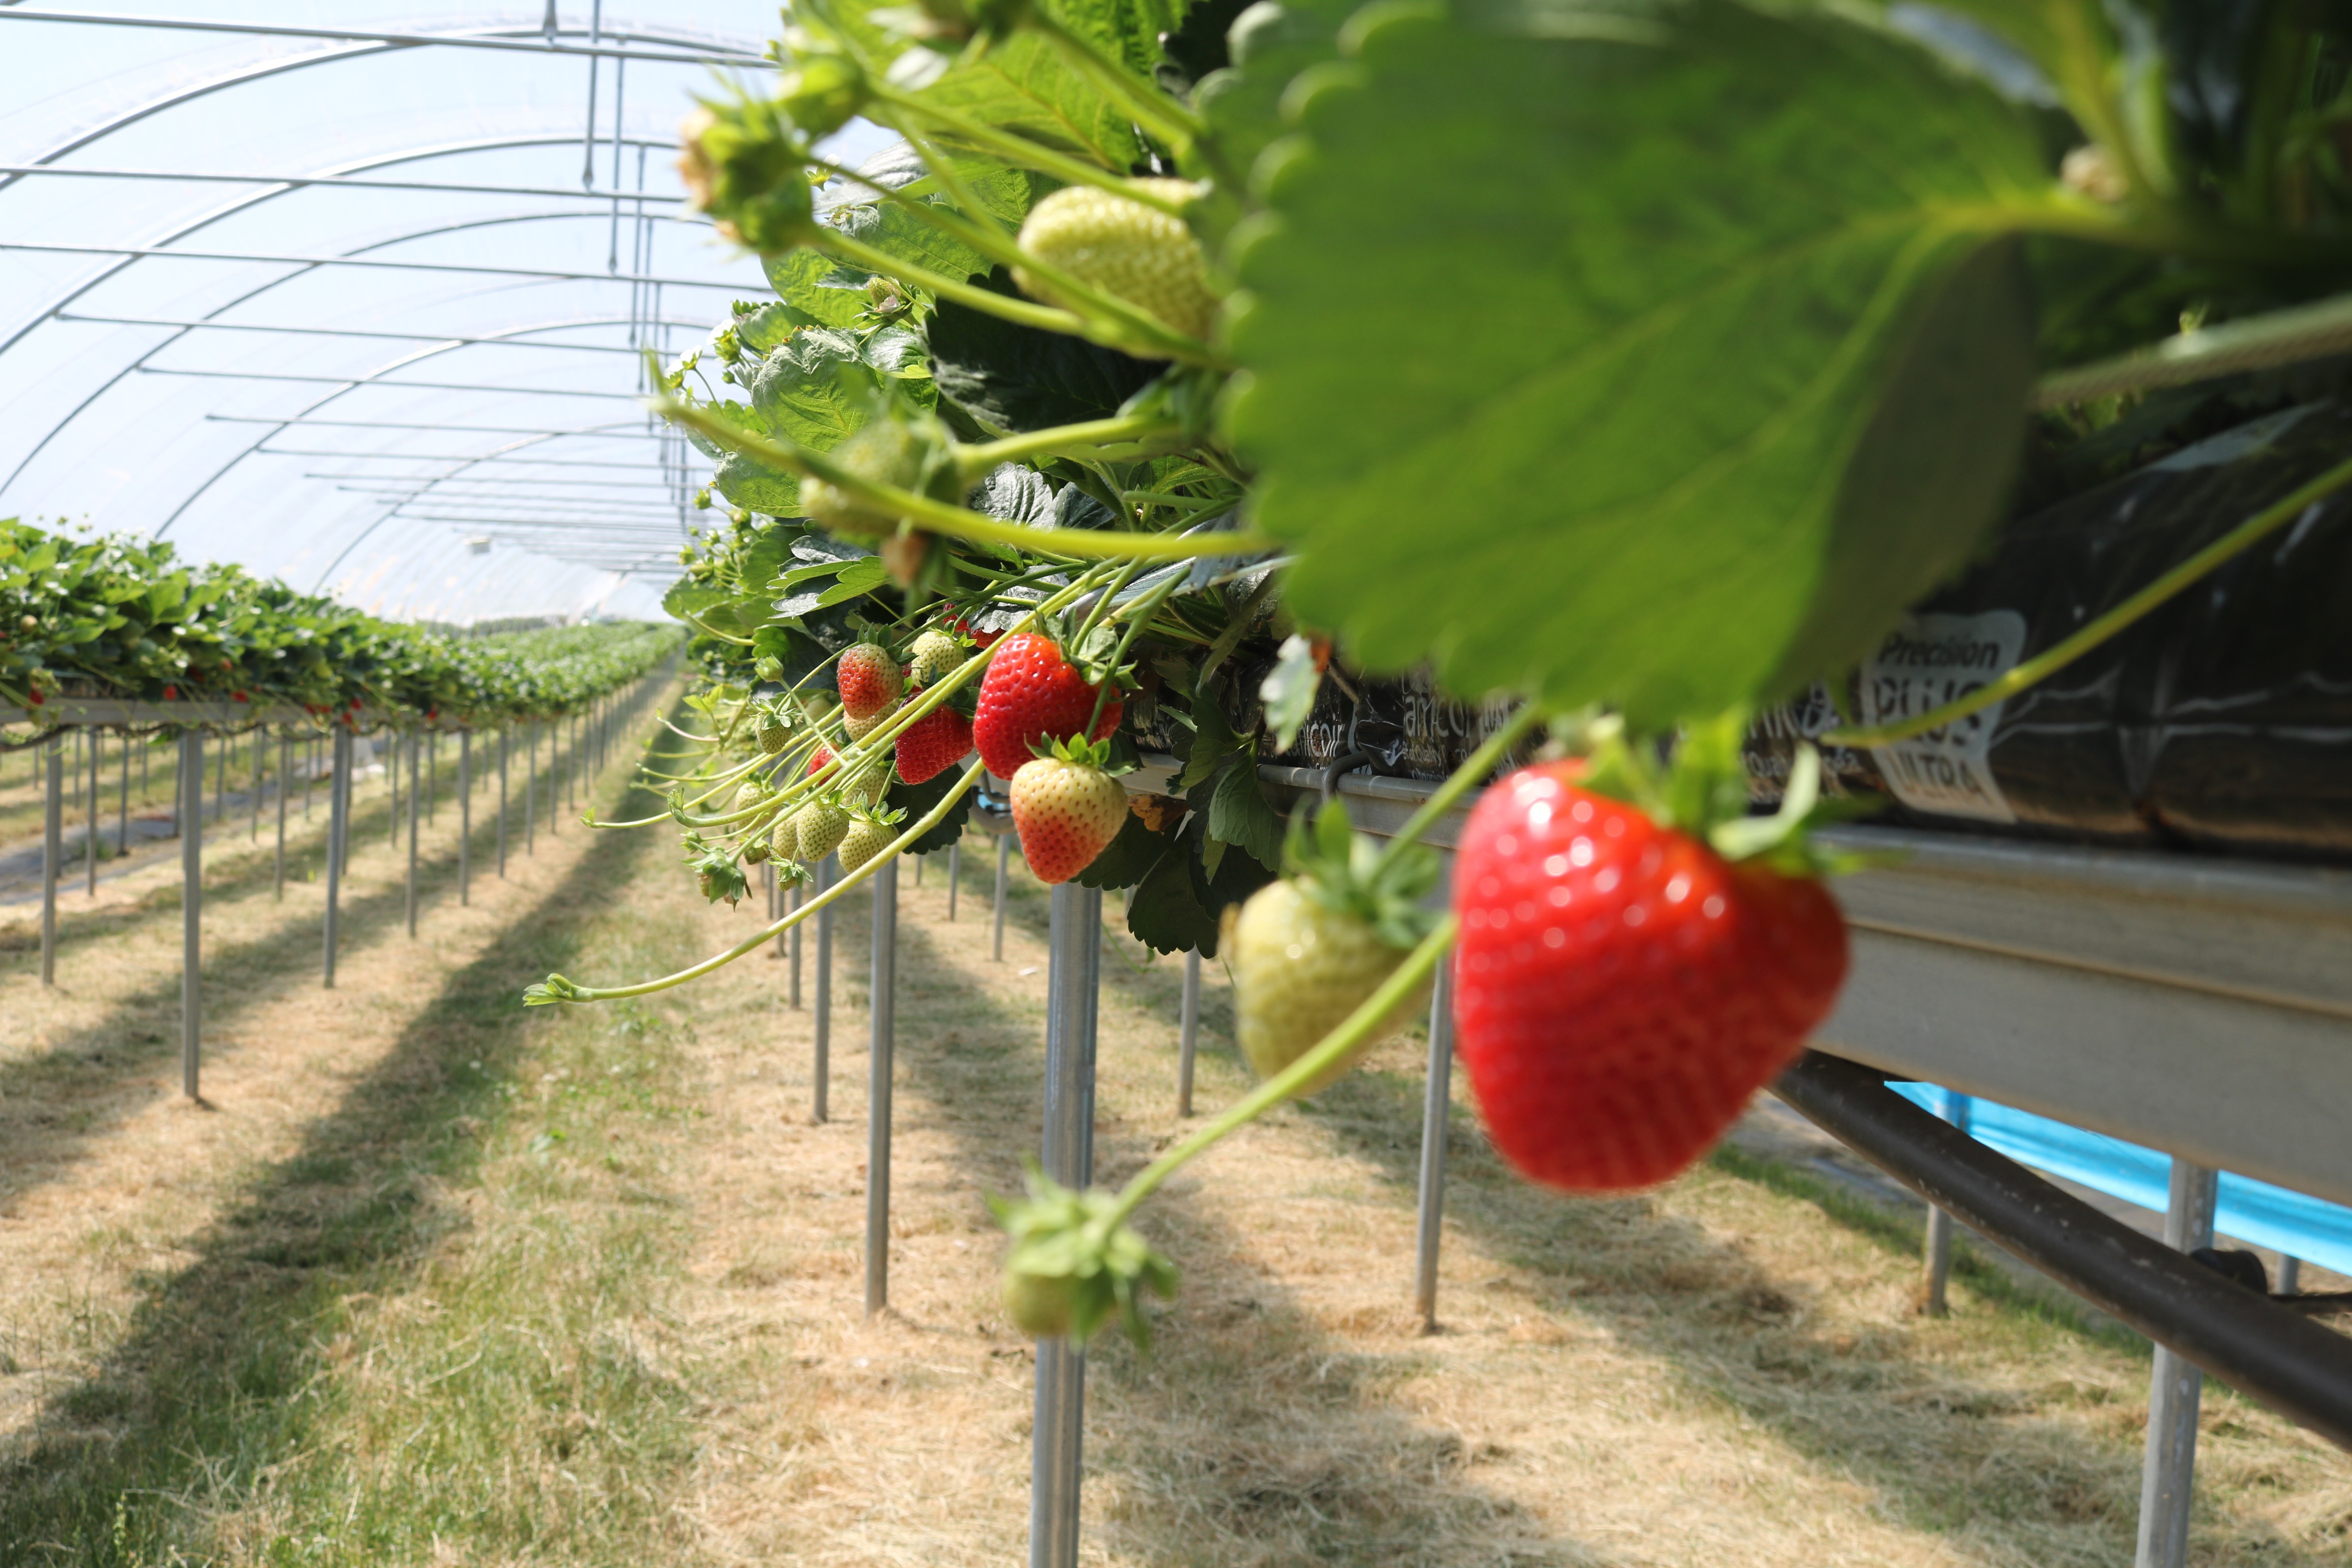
(1633, 365)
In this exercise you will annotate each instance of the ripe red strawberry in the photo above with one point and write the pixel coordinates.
(819, 760)
(1621, 989)
(1031, 693)
(870, 680)
(1067, 809)
(932, 743)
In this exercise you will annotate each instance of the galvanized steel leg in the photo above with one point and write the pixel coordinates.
(530, 796)
(192, 907)
(503, 733)
(53, 828)
(253, 832)
(1934, 1301)
(793, 902)
(1004, 853)
(1436, 1106)
(955, 875)
(1189, 1035)
(2290, 1274)
(412, 749)
(90, 849)
(1073, 979)
(883, 997)
(822, 1065)
(2168, 1473)
(339, 823)
(220, 786)
(432, 776)
(284, 771)
(464, 817)
(122, 804)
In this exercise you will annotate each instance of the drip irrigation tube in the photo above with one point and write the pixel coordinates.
(2273, 1355)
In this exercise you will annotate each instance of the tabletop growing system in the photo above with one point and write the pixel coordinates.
(1456, 513)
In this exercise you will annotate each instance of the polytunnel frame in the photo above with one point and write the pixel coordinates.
(353, 45)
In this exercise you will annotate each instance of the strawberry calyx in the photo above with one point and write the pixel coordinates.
(1350, 874)
(1702, 793)
(1074, 750)
(1074, 1263)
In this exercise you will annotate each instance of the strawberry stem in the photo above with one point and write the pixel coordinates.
(976, 461)
(1021, 151)
(2235, 542)
(938, 517)
(1325, 1054)
(555, 988)
(1154, 110)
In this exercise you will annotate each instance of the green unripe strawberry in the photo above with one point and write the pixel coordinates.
(741, 163)
(860, 728)
(771, 731)
(909, 454)
(822, 825)
(868, 835)
(784, 838)
(935, 653)
(1308, 949)
(749, 793)
(824, 89)
(755, 849)
(1125, 249)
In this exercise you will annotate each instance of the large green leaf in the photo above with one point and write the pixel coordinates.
(1635, 363)
(1021, 85)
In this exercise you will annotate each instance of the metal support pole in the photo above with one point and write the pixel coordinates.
(955, 875)
(1188, 1035)
(339, 823)
(530, 793)
(253, 832)
(1003, 852)
(392, 777)
(413, 747)
(53, 827)
(220, 786)
(122, 804)
(918, 870)
(1073, 981)
(795, 934)
(432, 777)
(464, 817)
(284, 771)
(504, 731)
(310, 775)
(192, 907)
(882, 1005)
(2167, 1472)
(1933, 1300)
(2290, 1274)
(90, 849)
(1436, 1106)
(822, 1065)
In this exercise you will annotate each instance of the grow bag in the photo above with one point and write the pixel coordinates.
(2222, 718)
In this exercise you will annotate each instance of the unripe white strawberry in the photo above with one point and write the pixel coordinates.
(1125, 249)
(784, 838)
(1067, 809)
(821, 824)
(935, 653)
(860, 728)
(868, 835)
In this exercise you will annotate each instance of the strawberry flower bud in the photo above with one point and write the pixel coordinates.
(824, 89)
(740, 164)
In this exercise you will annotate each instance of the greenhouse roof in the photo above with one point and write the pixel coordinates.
(359, 298)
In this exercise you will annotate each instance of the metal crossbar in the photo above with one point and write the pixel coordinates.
(506, 40)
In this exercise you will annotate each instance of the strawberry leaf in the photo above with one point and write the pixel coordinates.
(1746, 371)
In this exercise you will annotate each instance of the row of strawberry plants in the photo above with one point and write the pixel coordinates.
(125, 617)
(1639, 363)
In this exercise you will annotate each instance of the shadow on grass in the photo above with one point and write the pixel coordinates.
(57, 1103)
(214, 1391)
(1880, 1403)
(1253, 1432)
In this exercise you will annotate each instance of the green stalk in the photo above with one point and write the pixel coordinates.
(1330, 1051)
(1463, 779)
(1023, 152)
(938, 814)
(1136, 620)
(978, 460)
(1136, 328)
(1156, 113)
(2247, 534)
(938, 517)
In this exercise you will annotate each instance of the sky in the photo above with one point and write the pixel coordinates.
(349, 428)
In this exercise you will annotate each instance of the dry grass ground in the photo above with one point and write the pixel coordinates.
(436, 1280)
